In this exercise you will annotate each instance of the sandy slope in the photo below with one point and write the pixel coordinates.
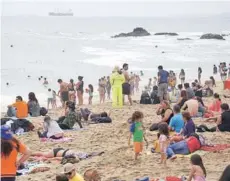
(118, 162)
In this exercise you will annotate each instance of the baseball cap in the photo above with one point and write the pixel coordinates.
(6, 133)
(68, 167)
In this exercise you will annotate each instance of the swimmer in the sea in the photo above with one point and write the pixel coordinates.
(7, 83)
(45, 82)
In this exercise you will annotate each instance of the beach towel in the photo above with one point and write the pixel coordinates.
(168, 178)
(214, 148)
(61, 140)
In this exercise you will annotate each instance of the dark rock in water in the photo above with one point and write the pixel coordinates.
(165, 33)
(163, 52)
(212, 36)
(184, 39)
(136, 32)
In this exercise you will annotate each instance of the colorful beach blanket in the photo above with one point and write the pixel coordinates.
(62, 140)
(214, 148)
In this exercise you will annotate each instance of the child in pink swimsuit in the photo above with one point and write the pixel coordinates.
(164, 141)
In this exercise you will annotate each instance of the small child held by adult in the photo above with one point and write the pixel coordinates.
(137, 131)
(198, 171)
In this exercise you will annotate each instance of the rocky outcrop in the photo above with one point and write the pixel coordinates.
(184, 39)
(165, 33)
(136, 32)
(212, 36)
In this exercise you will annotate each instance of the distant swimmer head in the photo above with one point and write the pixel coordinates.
(28, 76)
(39, 79)
(156, 46)
(41, 76)
(63, 50)
(11, 46)
(7, 83)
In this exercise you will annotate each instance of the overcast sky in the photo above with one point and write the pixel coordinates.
(116, 8)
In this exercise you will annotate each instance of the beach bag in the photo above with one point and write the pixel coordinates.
(43, 111)
(69, 159)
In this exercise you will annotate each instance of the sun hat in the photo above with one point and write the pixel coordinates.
(68, 167)
(5, 133)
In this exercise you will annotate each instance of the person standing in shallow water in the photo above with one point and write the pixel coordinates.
(63, 92)
(214, 69)
(199, 74)
(126, 88)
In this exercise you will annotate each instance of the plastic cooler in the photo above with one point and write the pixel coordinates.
(227, 84)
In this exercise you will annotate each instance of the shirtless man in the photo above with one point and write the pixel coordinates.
(63, 92)
(126, 89)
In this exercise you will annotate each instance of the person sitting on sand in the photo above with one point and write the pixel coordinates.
(63, 92)
(226, 174)
(166, 114)
(10, 147)
(33, 105)
(176, 123)
(183, 98)
(188, 129)
(198, 171)
(191, 106)
(71, 174)
(215, 106)
(51, 129)
(71, 117)
(222, 121)
(18, 109)
(154, 95)
(184, 147)
(189, 90)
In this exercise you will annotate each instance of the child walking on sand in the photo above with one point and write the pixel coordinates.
(198, 171)
(137, 130)
(90, 93)
(164, 141)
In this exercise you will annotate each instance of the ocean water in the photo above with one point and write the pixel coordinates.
(89, 50)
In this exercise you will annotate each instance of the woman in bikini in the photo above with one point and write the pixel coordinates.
(80, 90)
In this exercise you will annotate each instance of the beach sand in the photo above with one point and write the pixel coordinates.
(118, 160)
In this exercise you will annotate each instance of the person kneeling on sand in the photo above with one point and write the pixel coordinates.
(71, 174)
(51, 129)
(68, 121)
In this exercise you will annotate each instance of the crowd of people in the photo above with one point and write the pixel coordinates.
(177, 133)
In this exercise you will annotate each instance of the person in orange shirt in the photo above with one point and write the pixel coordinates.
(10, 147)
(18, 109)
